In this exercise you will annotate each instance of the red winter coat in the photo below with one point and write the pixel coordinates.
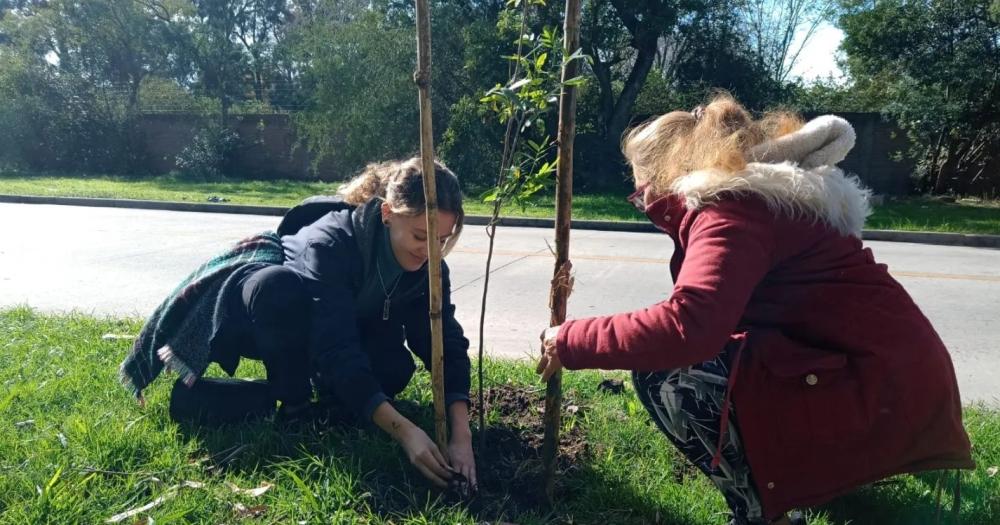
(842, 380)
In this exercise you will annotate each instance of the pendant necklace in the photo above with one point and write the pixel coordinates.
(388, 293)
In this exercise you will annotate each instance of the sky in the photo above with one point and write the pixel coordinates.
(819, 58)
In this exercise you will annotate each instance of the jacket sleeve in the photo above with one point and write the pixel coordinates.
(729, 250)
(334, 341)
(456, 346)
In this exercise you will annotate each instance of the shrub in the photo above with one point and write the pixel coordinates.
(210, 154)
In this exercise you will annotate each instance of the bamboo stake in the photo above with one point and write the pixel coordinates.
(561, 280)
(423, 80)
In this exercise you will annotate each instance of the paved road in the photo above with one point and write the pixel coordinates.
(117, 262)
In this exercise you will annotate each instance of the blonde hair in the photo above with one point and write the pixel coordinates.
(401, 184)
(715, 136)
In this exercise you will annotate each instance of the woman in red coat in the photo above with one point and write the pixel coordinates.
(787, 364)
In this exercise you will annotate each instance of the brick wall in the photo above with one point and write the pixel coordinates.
(268, 146)
(269, 149)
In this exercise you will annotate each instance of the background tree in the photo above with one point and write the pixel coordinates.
(257, 28)
(220, 61)
(778, 30)
(627, 56)
(715, 52)
(72, 74)
(937, 65)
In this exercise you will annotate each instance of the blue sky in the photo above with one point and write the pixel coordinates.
(819, 58)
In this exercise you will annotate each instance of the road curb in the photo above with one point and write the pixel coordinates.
(938, 238)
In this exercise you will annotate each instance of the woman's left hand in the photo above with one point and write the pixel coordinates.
(549, 363)
(463, 460)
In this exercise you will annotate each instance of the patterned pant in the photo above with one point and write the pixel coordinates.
(686, 404)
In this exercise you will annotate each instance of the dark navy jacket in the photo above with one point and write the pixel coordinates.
(363, 360)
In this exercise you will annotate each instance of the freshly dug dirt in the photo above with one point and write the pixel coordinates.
(510, 465)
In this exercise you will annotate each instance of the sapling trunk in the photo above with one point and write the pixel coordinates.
(562, 280)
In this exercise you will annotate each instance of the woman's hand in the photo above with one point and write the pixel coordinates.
(420, 449)
(549, 363)
(460, 447)
(464, 461)
(425, 456)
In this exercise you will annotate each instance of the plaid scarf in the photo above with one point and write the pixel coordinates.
(180, 331)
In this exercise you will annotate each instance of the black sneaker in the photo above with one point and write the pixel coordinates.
(213, 401)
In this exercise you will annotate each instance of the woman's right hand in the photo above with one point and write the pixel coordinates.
(420, 449)
(425, 455)
(549, 363)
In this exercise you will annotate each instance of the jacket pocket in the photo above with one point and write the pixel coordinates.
(817, 393)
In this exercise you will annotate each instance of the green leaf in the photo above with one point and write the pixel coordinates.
(55, 479)
(491, 195)
(548, 36)
(540, 61)
(307, 493)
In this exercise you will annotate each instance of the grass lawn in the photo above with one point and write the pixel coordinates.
(75, 448)
(912, 214)
(920, 214)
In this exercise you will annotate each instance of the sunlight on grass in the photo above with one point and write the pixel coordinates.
(75, 448)
(911, 214)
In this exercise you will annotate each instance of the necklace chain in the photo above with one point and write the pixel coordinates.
(386, 305)
(388, 293)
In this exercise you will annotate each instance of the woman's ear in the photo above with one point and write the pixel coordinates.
(386, 213)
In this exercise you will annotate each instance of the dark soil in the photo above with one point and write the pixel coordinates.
(510, 464)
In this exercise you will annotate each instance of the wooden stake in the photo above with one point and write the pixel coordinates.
(561, 279)
(423, 80)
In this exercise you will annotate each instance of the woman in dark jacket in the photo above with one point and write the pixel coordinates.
(336, 300)
(787, 364)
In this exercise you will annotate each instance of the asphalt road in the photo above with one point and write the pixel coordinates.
(121, 262)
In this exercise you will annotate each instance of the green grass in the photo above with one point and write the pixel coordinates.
(921, 214)
(912, 214)
(166, 188)
(599, 206)
(75, 448)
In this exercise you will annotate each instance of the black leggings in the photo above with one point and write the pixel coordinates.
(274, 311)
(273, 319)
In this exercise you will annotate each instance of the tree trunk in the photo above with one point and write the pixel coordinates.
(623, 108)
(930, 178)
(224, 117)
(947, 172)
(423, 80)
(561, 279)
(258, 85)
(134, 85)
(602, 71)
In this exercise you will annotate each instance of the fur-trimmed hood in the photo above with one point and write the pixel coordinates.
(796, 175)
